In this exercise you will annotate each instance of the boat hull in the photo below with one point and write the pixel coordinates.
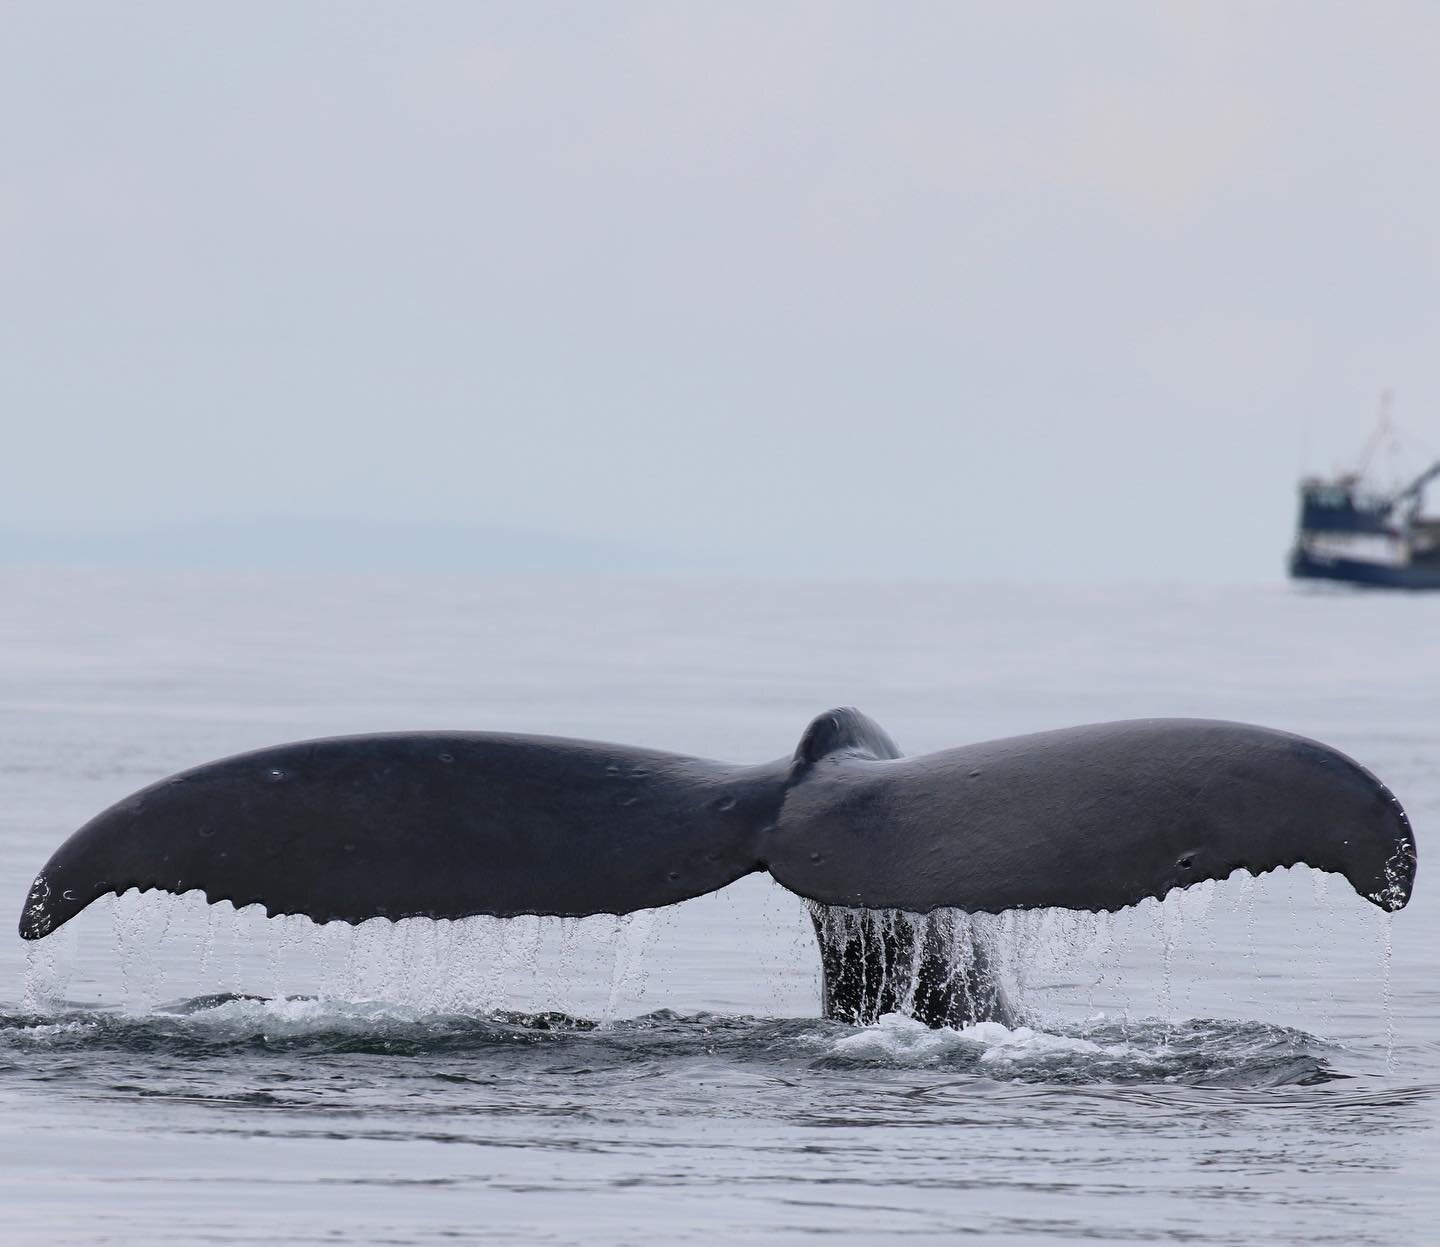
(1413, 575)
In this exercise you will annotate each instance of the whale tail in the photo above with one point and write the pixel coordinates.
(1089, 818)
(450, 824)
(420, 824)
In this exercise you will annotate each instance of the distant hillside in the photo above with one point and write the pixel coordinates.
(339, 545)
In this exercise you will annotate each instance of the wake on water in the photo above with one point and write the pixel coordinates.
(1197, 1052)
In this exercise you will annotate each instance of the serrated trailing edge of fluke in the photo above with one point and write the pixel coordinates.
(445, 825)
(35, 924)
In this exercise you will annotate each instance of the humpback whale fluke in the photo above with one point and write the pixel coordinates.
(451, 824)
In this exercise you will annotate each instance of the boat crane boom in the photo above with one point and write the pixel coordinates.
(1413, 489)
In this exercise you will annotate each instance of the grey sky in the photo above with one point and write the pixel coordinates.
(967, 289)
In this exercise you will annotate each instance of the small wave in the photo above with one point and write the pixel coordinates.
(294, 1023)
(896, 1036)
(21, 1030)
(1197, 1053)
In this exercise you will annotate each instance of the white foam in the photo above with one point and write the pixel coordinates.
(46, 1030)
(898, 1039)
(293, 1016)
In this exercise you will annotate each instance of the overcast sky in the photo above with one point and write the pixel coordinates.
(1007, 289)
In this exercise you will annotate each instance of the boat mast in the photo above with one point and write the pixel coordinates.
(1383, 429)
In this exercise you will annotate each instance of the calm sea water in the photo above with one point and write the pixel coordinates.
(1247, 1064)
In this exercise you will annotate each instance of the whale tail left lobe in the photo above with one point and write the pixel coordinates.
(421, 824)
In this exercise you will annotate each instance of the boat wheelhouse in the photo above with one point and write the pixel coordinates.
(1350, 532)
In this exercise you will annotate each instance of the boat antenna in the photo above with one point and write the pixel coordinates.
(1382, 430)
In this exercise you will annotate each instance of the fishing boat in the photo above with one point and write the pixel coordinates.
(1358, 533)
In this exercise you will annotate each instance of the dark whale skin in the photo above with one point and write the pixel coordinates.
(450, 824)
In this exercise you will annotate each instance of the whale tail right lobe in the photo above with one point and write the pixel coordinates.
(1089, 818)
(894, 852)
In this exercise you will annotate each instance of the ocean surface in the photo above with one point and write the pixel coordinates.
(1255, 1061)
